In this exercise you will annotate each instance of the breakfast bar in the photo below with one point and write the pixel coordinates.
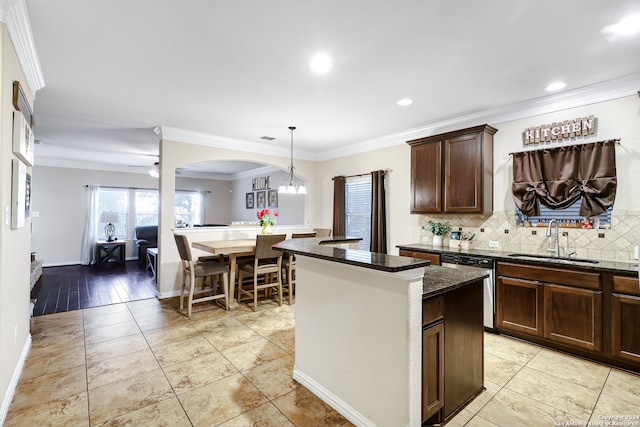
(360, 322)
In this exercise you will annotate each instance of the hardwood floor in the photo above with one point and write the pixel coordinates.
(80, 286)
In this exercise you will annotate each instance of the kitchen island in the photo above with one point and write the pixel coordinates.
(359, 333)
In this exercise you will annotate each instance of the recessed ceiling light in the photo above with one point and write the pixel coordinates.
(405, 101)
(555, 86)
(320, 63)
(628, 26)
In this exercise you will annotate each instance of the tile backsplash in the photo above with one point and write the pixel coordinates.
(615, 243)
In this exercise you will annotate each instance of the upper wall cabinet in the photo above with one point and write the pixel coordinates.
(453, 172)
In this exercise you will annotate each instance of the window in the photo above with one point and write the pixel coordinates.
(358, 209)
(147, 203)
(188, 207)
(114, 200)
(138, 207)
(568, 217)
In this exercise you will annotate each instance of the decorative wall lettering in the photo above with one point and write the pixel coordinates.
(559, 131)
(261, 183)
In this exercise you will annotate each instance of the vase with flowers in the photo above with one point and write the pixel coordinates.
(439, 230)
(267, 219)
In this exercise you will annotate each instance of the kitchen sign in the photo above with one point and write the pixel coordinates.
(560, 131)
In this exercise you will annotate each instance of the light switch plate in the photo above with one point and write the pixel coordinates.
(494, 244)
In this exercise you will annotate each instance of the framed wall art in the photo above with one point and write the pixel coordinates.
(20, 194)
(272, 197)
(260, 199)
(23, 142)
(249, 200)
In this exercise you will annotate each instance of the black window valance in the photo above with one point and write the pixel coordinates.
(557, 177)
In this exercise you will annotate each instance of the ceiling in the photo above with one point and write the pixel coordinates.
(239, 70)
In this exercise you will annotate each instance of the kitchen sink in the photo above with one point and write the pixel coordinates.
(557, 260)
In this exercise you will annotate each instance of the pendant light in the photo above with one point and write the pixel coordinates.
(288, 186)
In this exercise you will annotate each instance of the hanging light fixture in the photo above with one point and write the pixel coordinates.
(288, 186)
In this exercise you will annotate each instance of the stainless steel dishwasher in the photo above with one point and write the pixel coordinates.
(464, 262)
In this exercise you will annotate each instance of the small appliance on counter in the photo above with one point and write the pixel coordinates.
(454, 239)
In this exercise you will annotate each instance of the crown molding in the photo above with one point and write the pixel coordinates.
(15, 16)
(600, 92)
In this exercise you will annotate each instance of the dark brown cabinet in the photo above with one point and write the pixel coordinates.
(433, 258)
(453, 172)
(573, 316)
(558, 305)
(521, 307)
(432, 357)
(625, 317)
(452, 352)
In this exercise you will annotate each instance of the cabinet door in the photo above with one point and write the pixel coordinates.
(463, 174)
(573, 316)
(432, 370)
(426, 177)
(433, 258)
(520, 305)
(625, 334)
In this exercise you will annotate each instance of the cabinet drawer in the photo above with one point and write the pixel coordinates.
(432, 310)
(579, 279)
(626, 285)
(433, 258)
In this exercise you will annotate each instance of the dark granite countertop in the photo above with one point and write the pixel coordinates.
(438, 280)
(602, 265)
(319, 247)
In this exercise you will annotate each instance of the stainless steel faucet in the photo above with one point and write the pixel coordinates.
(556, 248)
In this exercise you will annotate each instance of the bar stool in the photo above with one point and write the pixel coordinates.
(200, 270)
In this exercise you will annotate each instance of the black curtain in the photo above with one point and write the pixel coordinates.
(339, 208)
(557, 177)
(378, 213)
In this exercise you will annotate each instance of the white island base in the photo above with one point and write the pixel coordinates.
(359, 340)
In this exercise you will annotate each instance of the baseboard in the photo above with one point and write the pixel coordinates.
(174, 293)
(68, 263)
(332, 400)
(11, 390)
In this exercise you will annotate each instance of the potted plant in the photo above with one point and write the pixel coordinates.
(439, 230)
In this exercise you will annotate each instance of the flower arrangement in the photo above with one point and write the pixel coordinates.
(438, 228)
(265, 218)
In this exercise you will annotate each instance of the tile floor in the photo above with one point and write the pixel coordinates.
(143, 363)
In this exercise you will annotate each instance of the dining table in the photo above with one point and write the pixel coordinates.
(234, 248)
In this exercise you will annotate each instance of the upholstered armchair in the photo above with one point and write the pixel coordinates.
(146, 237)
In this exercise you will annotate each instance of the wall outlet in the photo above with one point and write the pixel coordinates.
(425, 238)
(494, 244)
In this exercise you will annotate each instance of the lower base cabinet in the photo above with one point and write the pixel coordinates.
(625, 340)
(573, 316)
(452, 352)
(432, 370)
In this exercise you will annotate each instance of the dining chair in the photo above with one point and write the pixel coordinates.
(322, 232)
(266, 262)
(289, 268)
(201, 270)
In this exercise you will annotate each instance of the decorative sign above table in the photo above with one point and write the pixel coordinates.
(560, 131)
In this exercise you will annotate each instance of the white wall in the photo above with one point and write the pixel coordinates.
(15, 244)
(290, 206)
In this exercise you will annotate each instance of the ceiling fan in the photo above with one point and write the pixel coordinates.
(154, 170)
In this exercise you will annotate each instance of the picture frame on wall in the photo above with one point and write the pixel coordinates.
(20, 194)
(249, 200)
(272, 198)
(23, 140)
(260, 199)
